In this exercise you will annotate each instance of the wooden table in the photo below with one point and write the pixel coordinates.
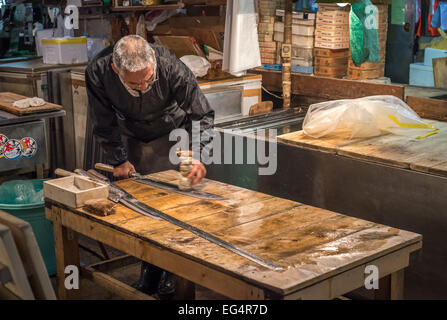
(324, 254)
(428, 155)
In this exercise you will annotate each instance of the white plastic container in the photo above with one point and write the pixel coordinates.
(64, 50)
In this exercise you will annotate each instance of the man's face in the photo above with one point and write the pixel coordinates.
(139, 80)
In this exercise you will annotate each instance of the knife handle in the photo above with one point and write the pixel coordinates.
(63, 173)
(104, 167)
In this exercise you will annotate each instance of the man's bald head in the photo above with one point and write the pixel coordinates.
(133, 53)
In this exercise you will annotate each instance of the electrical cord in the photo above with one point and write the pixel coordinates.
(272, 94)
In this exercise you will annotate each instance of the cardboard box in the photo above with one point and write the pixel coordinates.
(331, 45)
(302, 30)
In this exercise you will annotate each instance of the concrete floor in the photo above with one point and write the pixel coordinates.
(128, 274)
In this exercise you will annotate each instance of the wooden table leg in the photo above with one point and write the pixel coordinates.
(397, 285)
(391, 287)
(67, 253)
(185, 289)
(39, 171)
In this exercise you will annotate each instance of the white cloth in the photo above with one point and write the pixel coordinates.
(241, 46)
(29, 102)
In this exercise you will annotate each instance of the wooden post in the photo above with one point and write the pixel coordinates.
(286, 54)
(391, 287)
(67, 253)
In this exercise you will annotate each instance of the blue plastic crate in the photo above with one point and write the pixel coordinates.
(421, 75)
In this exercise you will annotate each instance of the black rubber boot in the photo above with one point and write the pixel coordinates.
(166, 286)
(149, 278)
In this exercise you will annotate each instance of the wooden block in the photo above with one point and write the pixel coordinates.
(440, 72)
(321, 52)
(429, 108)
(74, 191)
(261, 108)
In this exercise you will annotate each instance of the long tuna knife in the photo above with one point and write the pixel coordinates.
(163, 185)
(118, 194)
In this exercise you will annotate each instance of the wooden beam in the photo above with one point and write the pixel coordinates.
(115, 286)
(429, 108)
(328, 88)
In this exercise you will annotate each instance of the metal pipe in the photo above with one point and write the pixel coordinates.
(286, 51)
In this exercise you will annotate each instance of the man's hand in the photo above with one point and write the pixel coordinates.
(123, 170)
(198, 171)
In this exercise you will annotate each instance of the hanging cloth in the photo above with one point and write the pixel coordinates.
(241, 46)
(364, 39)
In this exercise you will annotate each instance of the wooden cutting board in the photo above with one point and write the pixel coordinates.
(8, 98)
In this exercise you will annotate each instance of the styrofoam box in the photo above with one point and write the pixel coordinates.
(64, 50)
(421, 75)
(431, 53)
(302, 30)
(297, 41)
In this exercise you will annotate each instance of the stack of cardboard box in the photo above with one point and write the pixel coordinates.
(331, 40)
(265, 29)
(303, 31)
(372, 70)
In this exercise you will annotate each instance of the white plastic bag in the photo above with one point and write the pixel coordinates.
(198, 65)
(365, 117)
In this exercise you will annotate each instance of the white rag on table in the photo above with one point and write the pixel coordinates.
(29, 102)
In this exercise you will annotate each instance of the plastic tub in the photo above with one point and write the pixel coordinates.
(34, 214)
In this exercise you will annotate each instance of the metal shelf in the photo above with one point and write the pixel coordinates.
(178, 5)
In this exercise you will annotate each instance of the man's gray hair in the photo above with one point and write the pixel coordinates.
(133, 53)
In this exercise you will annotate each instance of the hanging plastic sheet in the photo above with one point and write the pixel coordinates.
(363, 24)
(241, 47)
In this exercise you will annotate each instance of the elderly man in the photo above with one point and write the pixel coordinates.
(138, 93)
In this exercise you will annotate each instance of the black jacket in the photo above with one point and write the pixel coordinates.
(173, 102)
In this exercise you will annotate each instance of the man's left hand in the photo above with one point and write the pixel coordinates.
(198, 172)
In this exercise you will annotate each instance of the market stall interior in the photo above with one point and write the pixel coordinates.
(223, 149)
